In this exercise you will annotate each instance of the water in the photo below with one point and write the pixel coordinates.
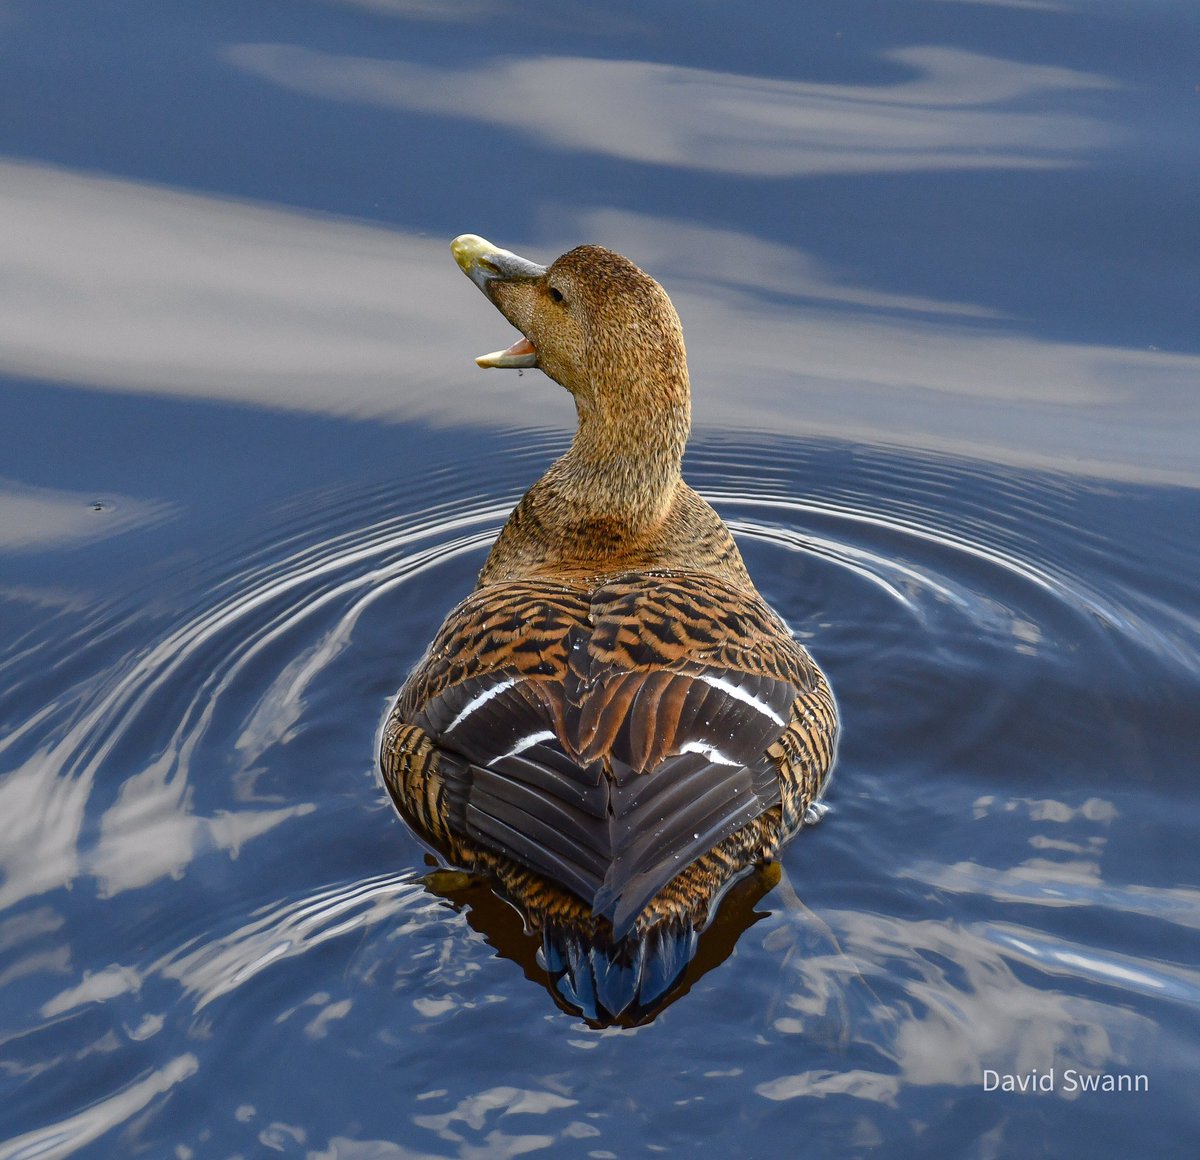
(936, 265)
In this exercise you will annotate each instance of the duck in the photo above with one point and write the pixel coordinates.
(614, 724)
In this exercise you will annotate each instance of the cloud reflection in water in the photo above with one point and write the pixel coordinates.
(35, 518)
(954, 109)
(132, 287)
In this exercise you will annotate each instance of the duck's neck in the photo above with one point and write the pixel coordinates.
(620, 476)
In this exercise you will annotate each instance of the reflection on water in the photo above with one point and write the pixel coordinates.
(41, 517)
(216, 753)
(502, 924)
(122, 284)
(128, 286)
(67, 1136)
(660, 114)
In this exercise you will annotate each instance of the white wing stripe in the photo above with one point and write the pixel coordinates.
(481, 699)
(526, 742)
(710, 751)
(740, 694)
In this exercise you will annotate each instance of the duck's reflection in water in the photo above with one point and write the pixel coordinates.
(622, 983)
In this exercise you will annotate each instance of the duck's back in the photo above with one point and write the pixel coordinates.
(607, 733)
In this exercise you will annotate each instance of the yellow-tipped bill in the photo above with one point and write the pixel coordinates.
(487, 265)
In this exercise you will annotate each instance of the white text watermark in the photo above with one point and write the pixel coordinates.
(1069, 1080)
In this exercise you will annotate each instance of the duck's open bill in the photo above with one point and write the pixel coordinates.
(485, 265)
(521, 355)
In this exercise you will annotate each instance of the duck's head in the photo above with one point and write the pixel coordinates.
(592, 321)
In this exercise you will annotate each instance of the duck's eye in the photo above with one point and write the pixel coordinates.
(556, 295)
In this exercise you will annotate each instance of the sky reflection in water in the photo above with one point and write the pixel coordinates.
(137, 288)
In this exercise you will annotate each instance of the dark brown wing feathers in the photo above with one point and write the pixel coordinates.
(608, 738)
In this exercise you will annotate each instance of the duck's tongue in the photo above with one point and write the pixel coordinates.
(521, 355)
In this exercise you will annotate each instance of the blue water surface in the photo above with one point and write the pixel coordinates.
(937, 265)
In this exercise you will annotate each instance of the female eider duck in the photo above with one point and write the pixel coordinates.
(615, 723)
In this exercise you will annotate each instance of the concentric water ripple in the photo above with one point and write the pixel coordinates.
(202, 779)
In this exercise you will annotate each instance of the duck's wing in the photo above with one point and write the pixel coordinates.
(694, 684)
(606, 740)
(485, 761)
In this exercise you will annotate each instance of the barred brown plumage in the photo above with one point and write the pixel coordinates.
(614, 723)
